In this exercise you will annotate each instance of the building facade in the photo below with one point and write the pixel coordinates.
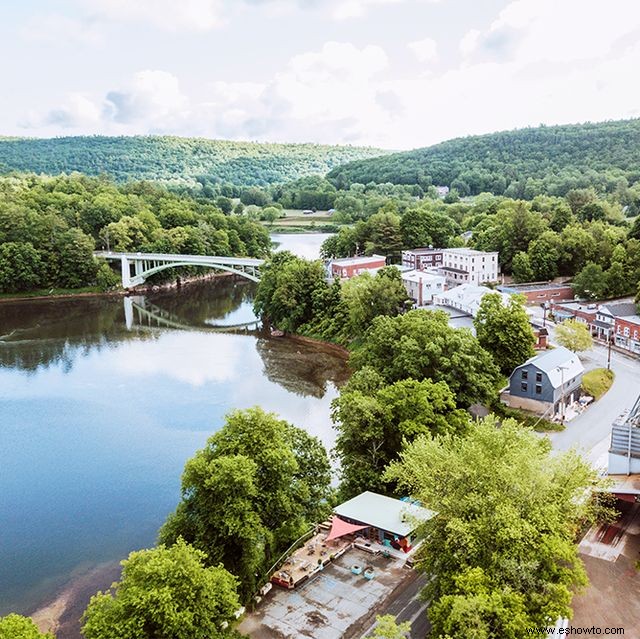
(540, 292)
(468, 266)
(422, 258)
(421, 286)
(546, 383)
(349, 267)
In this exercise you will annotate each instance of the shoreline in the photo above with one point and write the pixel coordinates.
(119, 292)
(62, 612)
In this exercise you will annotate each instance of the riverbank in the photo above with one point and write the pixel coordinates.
(62, 613)
(89, 291)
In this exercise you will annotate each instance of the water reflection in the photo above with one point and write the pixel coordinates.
(100, 408)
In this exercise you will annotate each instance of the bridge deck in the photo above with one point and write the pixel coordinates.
(177, 257)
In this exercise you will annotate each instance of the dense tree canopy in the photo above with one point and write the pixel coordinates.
(504, 331)
(201, 163)
(49, 228)
(165, 593)
(18, 627)
(522, 163)
(257, 485)
(294, 295)
(374, 421)
(421, 344)
(501, 552)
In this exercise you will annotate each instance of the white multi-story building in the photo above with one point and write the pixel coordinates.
(423, 285)
(468, 266)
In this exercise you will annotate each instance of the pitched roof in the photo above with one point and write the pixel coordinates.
(559, 363)
(386, 513)
(622, 309)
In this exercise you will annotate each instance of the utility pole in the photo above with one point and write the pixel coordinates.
(609, 343)
(562, 413)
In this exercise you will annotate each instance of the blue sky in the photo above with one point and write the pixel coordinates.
(392, 73)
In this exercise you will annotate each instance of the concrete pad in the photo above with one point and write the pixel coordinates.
(329, 603)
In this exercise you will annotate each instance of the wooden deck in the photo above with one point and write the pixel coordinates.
(310, 559)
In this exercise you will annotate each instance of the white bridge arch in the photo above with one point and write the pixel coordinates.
(137, 267)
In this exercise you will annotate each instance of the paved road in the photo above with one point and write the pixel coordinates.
(408, 606)
(589, 431)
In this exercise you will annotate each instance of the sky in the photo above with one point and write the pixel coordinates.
(395, 74)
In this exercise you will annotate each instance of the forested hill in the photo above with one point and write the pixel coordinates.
(177, 160)
(521, 163)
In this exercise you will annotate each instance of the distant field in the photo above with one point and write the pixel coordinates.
(296, 218)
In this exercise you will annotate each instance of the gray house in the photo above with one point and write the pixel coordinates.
(546, 381)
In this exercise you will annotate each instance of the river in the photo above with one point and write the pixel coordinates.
(102, 400)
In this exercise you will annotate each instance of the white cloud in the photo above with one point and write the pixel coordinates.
(547, 30)
(425, 50)
(346, 9)
(170, 15)
(469, 42)
(59, 29)
(511, 74)
(150, 96)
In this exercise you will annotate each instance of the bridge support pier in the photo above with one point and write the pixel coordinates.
(126, 272)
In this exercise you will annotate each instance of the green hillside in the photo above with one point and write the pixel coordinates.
(176, 160)
(522, 163)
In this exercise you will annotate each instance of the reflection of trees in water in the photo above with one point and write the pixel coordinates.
(301, 369)
(55, 332)
(198, 302)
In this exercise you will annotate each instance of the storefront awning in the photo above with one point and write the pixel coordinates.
(340, 528)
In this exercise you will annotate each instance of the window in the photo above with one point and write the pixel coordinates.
(538, 389)
(525, 374)
(523, 387)
(538, 377)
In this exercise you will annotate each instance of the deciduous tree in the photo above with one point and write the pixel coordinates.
(255, 487)
(165, 593)
(501, 551)
(420, 344)
(18, 627)
(374, 420)
(504, 331)
(574, 335)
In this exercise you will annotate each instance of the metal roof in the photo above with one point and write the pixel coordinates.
(385, 513)
(559, 364)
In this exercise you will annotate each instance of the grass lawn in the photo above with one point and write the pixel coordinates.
(597, 382)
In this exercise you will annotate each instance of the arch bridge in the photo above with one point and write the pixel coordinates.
(137, 267)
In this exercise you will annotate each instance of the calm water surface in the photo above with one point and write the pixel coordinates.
(103, 400)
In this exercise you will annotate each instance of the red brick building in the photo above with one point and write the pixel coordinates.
(541, 292)
(349, 267)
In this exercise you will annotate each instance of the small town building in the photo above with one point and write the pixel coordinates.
(421, 286)
(546, 383)
(466, 298)
(540, 292)
(422, 258)
(464, 265)
(349, 267)
(580, 311)
(624, 449)
(382, 519)
(626, 324)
